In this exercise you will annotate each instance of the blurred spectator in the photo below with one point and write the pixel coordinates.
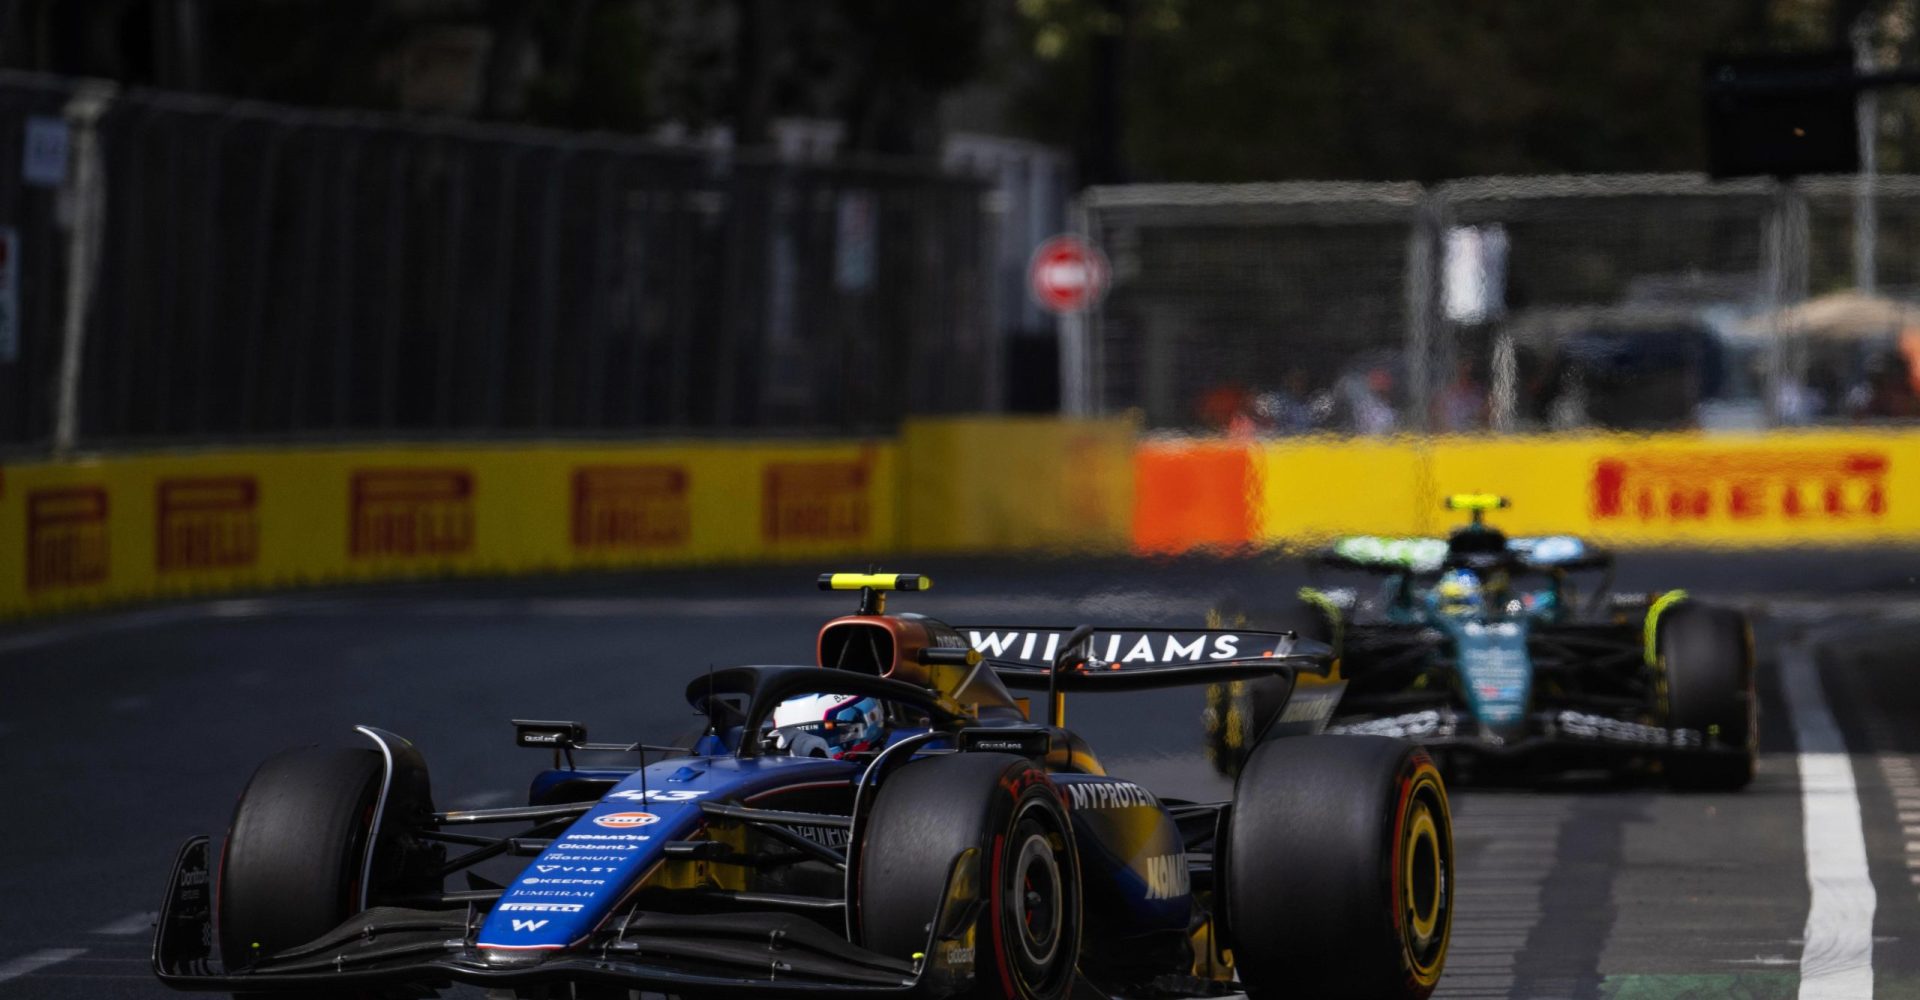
(1890, 393)
(1293, 408)
(1228, 408)
(1366, 398)
(1462, 402)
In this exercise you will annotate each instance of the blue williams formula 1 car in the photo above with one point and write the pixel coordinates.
(888, 821)
(1483, 649)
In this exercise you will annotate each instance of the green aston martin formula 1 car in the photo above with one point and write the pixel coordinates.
(1489, 651)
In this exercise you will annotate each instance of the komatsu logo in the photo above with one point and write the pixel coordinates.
(1116, 647)
(1109, 795)
(1166, 876)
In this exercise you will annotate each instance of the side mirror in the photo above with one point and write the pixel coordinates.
(548, 735)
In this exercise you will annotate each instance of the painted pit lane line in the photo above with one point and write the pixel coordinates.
(1837, 960)
(29, 964)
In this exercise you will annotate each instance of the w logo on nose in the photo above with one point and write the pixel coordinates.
(528, 925)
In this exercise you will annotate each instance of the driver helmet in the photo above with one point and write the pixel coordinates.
(1459, 592)
(826, 725)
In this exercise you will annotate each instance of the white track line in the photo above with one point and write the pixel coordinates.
(138, 923)
(28, 964)
(1837, 963)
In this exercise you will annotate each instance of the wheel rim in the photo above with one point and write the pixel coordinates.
(1036, 898)
(1422, 876)
(1038, 909)
(1425, 876)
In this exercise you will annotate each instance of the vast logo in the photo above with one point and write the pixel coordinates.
(1741, 486)
(625, 820)
(525, 926)
(626, 507)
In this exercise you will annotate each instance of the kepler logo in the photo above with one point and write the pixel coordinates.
(563, 881)
(625, 820)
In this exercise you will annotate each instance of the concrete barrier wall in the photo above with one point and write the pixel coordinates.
(130, 527)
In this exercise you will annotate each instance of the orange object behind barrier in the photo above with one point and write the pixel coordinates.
(1192, 495)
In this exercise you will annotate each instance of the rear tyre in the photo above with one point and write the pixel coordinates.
(1706, 659)
(1238, 712)
(934, 811)
(1339, 871)
(293, 863)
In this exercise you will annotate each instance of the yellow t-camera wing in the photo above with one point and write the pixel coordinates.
(875, 581)
(873, 587)
(1477, 501)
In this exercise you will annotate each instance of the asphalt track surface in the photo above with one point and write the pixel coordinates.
(121, 734)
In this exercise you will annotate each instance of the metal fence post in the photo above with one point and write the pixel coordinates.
(1422, 247)
(1784, 266)
(1078, 393)
(83, 112)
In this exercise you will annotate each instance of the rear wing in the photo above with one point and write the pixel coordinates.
(1056, 659)
(1550, 552)
(1384, 554)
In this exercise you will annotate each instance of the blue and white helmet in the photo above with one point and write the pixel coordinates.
(826, 725)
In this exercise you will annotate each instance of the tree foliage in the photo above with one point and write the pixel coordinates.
(1402, 89)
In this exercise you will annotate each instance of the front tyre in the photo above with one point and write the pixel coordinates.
(295, 854)
(1706, 668)
(1339, 871)
(1002, 808)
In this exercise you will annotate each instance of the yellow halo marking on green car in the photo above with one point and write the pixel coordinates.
(1660, 606)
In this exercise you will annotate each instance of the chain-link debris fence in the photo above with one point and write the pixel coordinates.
(1507, 304)
(262, 272)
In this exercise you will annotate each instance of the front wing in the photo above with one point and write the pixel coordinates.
(766, 954)
(1558, 729)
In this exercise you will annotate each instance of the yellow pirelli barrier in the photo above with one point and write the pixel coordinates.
(1757, 490)
(112, 529)
(1733, 490)
(1316, 487)
(1002, 484)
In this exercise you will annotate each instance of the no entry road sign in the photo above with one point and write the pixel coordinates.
(1067, 274)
